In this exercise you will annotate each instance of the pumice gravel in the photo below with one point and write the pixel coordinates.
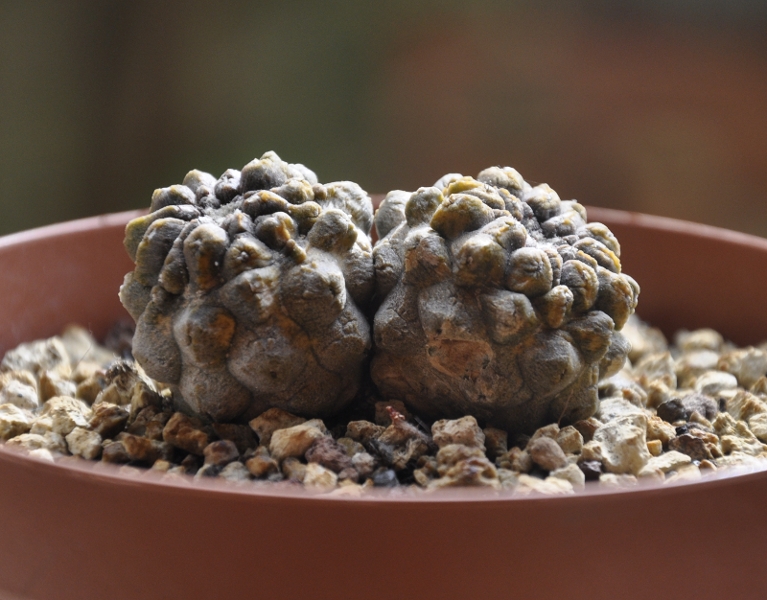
(674, 412)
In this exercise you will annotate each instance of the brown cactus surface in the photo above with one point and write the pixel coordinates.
(497, 300)
(249, 289)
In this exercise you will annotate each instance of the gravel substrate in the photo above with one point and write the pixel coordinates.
(674, 412)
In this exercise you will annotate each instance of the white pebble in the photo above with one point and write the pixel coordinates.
(713, 382)
(85, 443)
(20, 394)
(319, 478)
(13, 421)
(624, 444)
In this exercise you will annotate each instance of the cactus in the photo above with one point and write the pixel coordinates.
(249, 291)
(497, 300)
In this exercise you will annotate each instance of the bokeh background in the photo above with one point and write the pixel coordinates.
(657, 106)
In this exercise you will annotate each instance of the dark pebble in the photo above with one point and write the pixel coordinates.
(592, 469)
(221, 453)
(705, 406)
(690, 445)
(328, 453)
(115, 452)
(673, 410)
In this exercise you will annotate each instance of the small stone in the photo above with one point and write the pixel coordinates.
(550, 431)
(508, 479)
(208, 470)
(293, 469)
(520, 460)
(350, 446)
(191, 463)
(293, 441)
(700, 339)
(142, 422)
(673, 410)
(700, 403)
(85, 443)
(235, 471)
(270, 421)
(760, 387)
(348, 475)
(114, 452)
(37, 356)
(692, 365)
(670, 461)
(42, 454)
(242, 435)
(739, 459)
(108, 419)
(28, 441)
(52, 384)
(644, 339)
(571, 473)
(657, 393)
(656, 367)
(613, 480)
(20, 394)
(496, 441)
(587, 427)
(692, 446)
(318, 477)
(612, 408)
(328, 453)
(186, 433)
(363, 431)
(658, 429)
(384, 477)
(161, 465)
(551, 486)
(364, 463)
(744, 405)
(546, 453)
(746, 364)
(89, 389)
(461, 465)
(464, 431)
(142, 449)
(14, 421)
(655, 447)
(592, 451)
(757, 423)
(743, 442)
(713, 382)
(61, 415)
(688, 472)
(591, 469)
(382, 413)
(262, 465)
(624, 444)
(221, 453)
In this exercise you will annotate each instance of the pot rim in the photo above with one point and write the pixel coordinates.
(98, 472)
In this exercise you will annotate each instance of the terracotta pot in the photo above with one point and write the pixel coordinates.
(71, 531)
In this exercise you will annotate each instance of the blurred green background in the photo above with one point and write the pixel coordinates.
(655, 106)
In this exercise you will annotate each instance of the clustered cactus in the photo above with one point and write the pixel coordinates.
(490, 297)
(247, 290)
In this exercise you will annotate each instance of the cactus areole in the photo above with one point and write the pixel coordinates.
(488, 297)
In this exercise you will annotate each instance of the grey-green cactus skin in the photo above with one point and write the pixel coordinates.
(249, 290)
(498, 300)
